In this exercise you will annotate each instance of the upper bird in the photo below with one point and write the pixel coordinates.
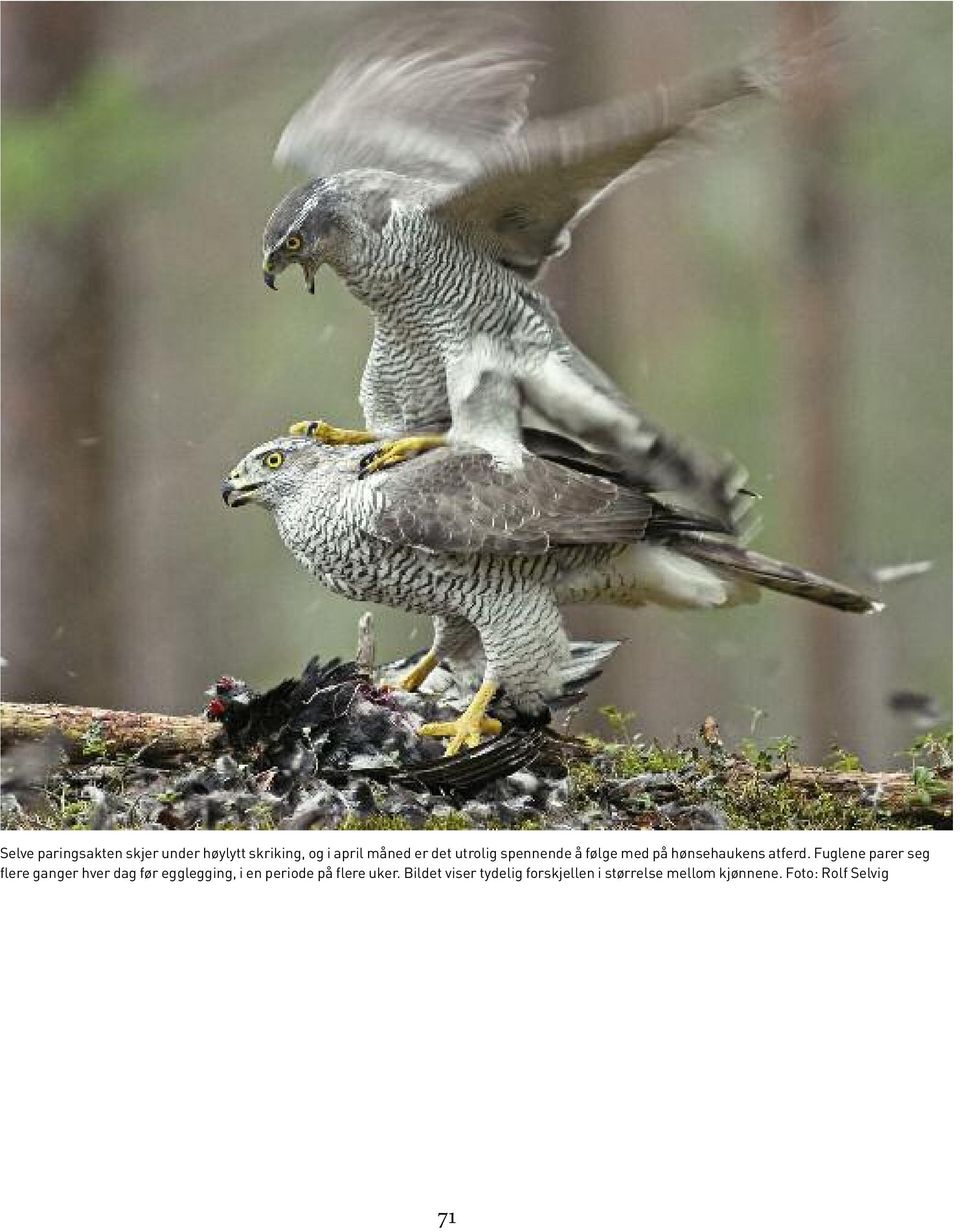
(438, 204)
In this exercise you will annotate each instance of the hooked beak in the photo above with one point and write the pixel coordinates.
(235, 494)
(308, 266)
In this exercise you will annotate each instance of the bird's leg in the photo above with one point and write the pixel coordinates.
(396, 451)
(326, 434)
(417, 673)
(453, 640)
(466, 730)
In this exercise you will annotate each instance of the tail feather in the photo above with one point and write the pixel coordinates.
(775, 574)
(587, 660)
(586, 663)
(580, 402)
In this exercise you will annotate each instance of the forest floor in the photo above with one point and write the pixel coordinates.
(333, 750)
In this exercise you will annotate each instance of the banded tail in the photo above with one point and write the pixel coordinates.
(773, 574)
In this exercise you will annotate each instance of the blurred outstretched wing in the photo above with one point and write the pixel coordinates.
(398, 104)
(539, 183)
(463, 501)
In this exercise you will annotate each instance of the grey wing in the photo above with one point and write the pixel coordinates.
(538, 184)
(453, 501)
(400, 105)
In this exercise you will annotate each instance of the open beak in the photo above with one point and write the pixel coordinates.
(234, 494)
(308, 265)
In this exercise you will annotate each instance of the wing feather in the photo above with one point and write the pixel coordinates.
(453, 114)
(398, 104)
(462, 501)
(539, 183)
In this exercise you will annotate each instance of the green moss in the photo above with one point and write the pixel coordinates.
(262, 814)
(749, 787)
(73, 815)
(454, 820)
(93, 743)
(584, 781)
(786, 807)
(630, 760)
(927, 786)
(751, 791)
(377, 821)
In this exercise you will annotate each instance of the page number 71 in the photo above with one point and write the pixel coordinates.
(446, 1220)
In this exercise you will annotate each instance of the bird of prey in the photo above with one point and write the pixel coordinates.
(439, 204)
(493, 552)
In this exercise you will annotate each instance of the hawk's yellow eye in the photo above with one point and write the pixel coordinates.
(273, 460)
(294, 242)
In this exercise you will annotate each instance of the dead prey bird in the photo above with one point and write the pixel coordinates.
(491, 553)
(438, 205)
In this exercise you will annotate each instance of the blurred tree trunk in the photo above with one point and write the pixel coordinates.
(623, 295)
(815, 365)
(58, 339)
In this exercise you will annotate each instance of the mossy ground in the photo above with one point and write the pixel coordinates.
(749, 786)
(619, 783)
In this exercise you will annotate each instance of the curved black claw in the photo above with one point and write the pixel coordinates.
(366, 461)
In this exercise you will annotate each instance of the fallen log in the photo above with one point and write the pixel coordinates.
(88, 731)
(896, 790)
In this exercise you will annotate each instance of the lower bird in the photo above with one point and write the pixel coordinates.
(492, 553)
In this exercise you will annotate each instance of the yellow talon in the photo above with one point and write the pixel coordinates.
(397, 451)
(417, 673)
(466, 730)
(326, 434)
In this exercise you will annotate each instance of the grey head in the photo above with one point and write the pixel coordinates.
(331, 220)
(277, 470)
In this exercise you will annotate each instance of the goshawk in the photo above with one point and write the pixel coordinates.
(493, 552)
(438, 205)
